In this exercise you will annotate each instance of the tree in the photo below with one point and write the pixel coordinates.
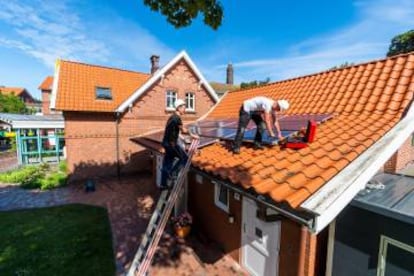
(245, 85)
(402, 43)
(343, 65)
(180, 13)
(11, 104)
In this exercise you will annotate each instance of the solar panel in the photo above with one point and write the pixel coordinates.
(211, 130)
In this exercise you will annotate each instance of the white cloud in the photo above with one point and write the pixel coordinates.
(52, 30)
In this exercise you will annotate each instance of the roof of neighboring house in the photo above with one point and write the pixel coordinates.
(32, 121)
(12, 90)
(367, 101)
(77, 83)
(47, 83)
(222, 88)
(389, 195)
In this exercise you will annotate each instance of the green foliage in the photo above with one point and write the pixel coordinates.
(245, 85)
(180, 13)
(18, 175)
(11, 104)
(402, 43)
(41, 176)
(64, 240)
(63, 166)
(343, 65)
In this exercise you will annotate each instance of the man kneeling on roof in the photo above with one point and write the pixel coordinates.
(252, 109)
(173, 151)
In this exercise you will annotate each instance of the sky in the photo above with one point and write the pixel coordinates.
(262, 39)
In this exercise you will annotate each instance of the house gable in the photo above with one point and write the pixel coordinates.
(161, 74)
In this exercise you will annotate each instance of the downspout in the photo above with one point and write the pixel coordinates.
(118, 165)
(302, 251)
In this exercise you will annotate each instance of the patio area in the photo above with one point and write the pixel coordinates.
(130, 202)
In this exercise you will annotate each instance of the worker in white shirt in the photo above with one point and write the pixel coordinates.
(253, 109)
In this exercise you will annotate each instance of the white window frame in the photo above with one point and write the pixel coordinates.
(382, 252)
(190, 98)
(170, 94)
(221, 205)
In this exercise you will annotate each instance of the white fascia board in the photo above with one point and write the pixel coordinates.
(37, 124)
(158, 74)
(337, 193)
(52, 104)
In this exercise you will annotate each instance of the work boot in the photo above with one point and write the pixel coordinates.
(258, 145)
(236, 150)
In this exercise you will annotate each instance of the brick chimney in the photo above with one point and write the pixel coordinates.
(230, 73)
(154, 63)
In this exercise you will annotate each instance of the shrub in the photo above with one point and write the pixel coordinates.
(54, 180)
(41, 176)
(63, 166)
(19, 175)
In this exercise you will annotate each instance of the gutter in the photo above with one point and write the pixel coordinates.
(303, 220)
(337, 193)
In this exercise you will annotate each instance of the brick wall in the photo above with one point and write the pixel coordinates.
(211, 221)
(401, 158)
(91, 142)
(46, 102)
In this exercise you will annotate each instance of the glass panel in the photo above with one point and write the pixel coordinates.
(189, 101)
(103, 93)
(223, 195)
(171, 97)
(399, 261)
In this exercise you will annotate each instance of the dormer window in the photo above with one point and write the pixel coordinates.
(103, 93)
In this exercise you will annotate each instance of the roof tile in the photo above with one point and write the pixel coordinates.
(367, 100)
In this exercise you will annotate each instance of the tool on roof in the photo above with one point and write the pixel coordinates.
(302, 140)
(158, 221)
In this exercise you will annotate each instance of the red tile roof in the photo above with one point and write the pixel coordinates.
(367, 100)
(11, 90)
(77, 83)
(46, 84)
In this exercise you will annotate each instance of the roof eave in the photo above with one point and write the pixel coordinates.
(159, 75)
(337, 193)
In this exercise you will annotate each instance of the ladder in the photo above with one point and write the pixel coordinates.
(158, 221)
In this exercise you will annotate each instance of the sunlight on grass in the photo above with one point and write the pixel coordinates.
(75, 239)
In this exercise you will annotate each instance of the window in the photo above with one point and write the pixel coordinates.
(171, 97)
(221, 197)
(103, 93)
(189, 101)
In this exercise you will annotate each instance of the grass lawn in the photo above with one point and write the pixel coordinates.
(66, 240)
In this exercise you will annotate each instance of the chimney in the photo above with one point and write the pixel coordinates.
(154, 63)
(229, 79)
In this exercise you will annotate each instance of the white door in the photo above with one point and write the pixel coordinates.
(260, 242)
(158, 165)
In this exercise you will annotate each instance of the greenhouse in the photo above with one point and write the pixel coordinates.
(39, 138)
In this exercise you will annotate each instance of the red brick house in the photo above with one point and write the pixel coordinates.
(270, 209)
(104, 107)
(46, 88)
(22, 94)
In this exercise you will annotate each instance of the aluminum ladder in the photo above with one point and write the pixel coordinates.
(158, 221)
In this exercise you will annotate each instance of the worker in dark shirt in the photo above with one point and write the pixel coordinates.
(173, 151)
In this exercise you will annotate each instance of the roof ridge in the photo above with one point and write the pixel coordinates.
(325, 71)
(103, 66)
